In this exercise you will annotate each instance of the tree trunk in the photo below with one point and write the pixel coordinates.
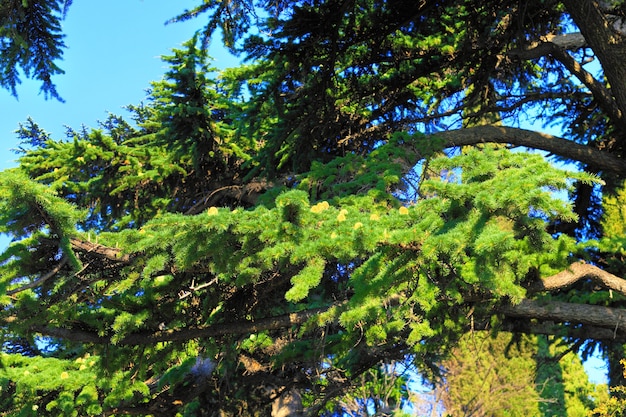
(603, 34)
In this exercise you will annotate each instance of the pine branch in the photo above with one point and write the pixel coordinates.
(562, 312)
(41, 279)
(112, 254)
(521, 137)
(576, 272)
(216, 330)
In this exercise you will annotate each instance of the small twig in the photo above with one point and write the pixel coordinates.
(206, 284)
(192, 288)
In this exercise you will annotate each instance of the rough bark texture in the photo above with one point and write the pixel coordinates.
(595, 316)
(111, 254)
(608, 44)
(521, 137)
(576, 272)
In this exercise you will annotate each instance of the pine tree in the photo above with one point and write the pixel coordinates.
(269, 237)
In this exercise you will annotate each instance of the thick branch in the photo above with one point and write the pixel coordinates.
(216, 330)
(592, 315)
(535, 140)
(608, 44)
(576, 272)
(112, 254)
(534, 50)
(247, 194)
(550, 328)
(600, 92)
(598, 323)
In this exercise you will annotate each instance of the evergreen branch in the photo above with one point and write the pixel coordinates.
(247, 193)
(41, 279)
(576, 272)
(112, 254)
(599, 322)
(531, 139)
(221, 329)
(592, 315)
(534, 50)
(180, 335)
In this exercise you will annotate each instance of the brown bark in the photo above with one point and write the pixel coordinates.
(608, 44)
(514, 324)
(112, 254)
(246, 194)
(41, 279)
(576, 272)
(591, 315)
(288, 403)
(535, 140)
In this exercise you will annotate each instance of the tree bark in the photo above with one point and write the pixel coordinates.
(288, 404)
(215, 330)
(608, 44)
(535, 140)
(592, 315)
(576, 272)
(112, 254)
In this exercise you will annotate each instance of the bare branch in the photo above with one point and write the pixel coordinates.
(534, 50)
(600, 92)
(247, 193)
(112, 254)
(596, 158)
(608, 45)
(557, 47)
(576, 272)
(582, 332)
(562, 312)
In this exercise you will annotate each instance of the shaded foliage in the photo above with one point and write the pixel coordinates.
(31, 40)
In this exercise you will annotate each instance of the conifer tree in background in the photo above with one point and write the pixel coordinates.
(499, 376)
(268, 239)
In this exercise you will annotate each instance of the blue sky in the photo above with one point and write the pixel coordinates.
(113, 52)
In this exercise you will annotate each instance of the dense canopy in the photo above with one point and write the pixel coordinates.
(366, 189)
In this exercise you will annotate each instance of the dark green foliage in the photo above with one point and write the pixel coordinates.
(446, 242)
(179, 145)
(31, 41)
(291, 225)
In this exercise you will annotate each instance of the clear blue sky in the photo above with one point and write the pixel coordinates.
(113, 52)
